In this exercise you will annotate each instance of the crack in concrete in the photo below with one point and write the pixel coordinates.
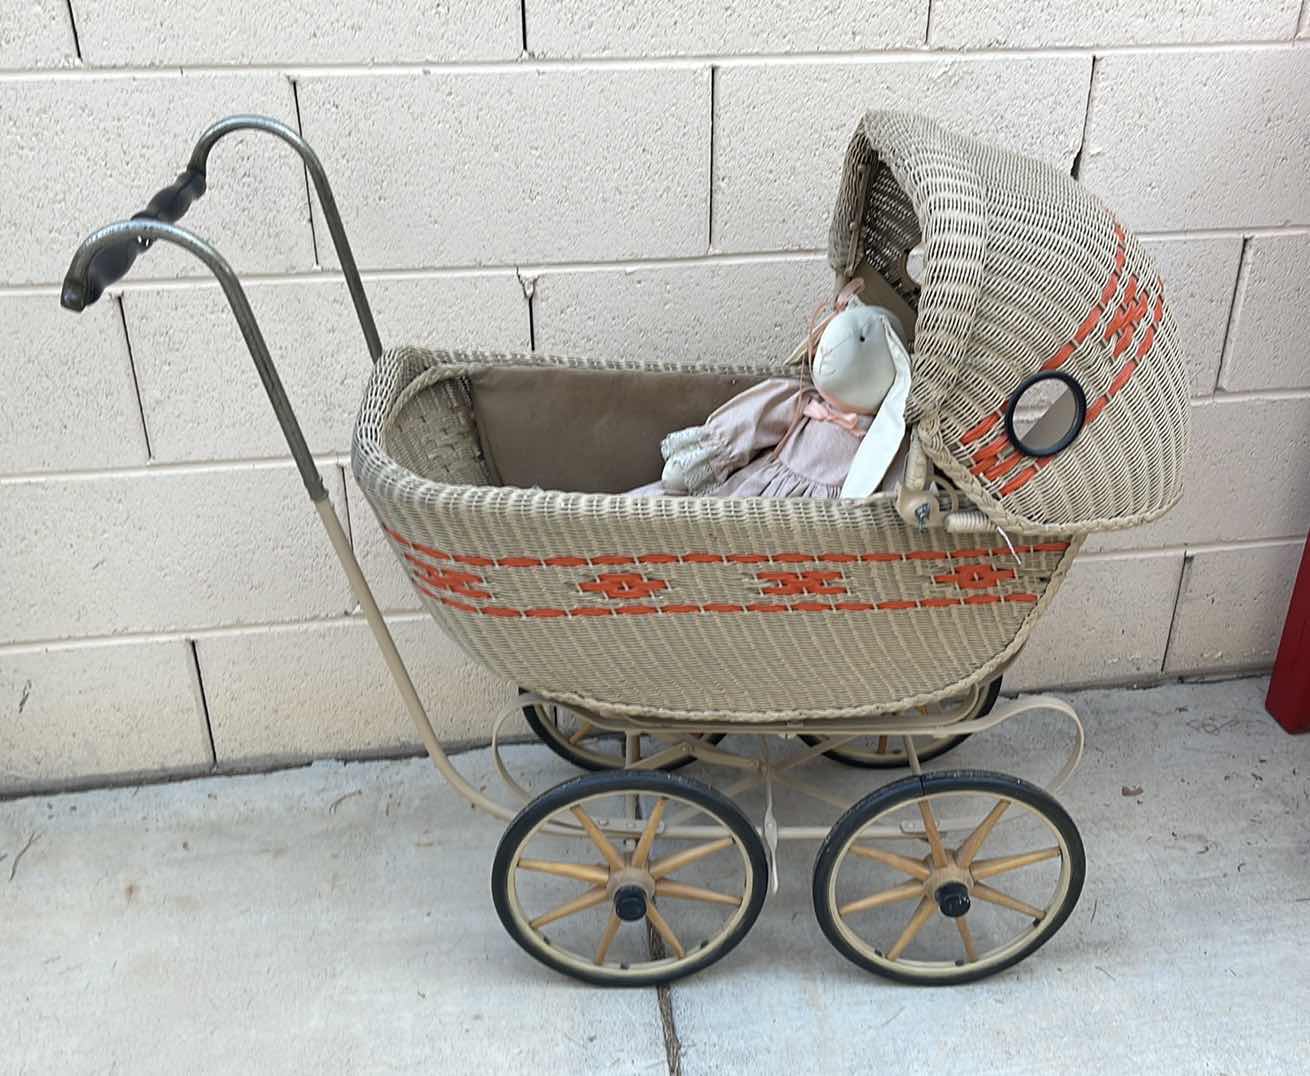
(672, 1044)
(13, 867)
(664, 1002)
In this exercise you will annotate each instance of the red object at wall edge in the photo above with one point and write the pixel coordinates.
(1289, 690)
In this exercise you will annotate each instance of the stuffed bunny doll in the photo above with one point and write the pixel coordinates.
(834, 437)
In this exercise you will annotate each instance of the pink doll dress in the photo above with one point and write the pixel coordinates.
(779, 438)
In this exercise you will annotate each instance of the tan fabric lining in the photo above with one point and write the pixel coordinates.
(588, 430)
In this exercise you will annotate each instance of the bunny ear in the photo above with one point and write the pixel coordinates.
(849, 295)
(883, 439)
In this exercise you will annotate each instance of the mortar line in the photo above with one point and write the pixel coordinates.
(1241, 232)
(1155, 553)
(690, 61)
(1226, 396)
(309, 196)
(1193, 548)
(345, 504)
(221, 631)
(77, 43)
(1184, 573)
(136, 382)
(1234, 312)
(253, 463)
(709, 224)
(353, 608)
(203, 700)
(1076, 168)
(528, 285)
(725, 258)
(317, 276)
(256, 767)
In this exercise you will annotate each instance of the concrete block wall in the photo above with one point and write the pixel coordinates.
(581, 176)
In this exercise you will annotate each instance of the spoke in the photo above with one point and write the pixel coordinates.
(611, 928)
(599, 839)
(995, 896)
(921, 915)
(642, 854)
(589, 899)
(581, 734)
(987, 868)
(934, 835)
(882, 745)
(665, 888)
(596, 875)
(665, 931)
(908, 891)
(688, 856)
(904, 864)
(967, 936)
(973, 842)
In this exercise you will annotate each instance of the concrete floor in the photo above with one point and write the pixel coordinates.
(337, 918)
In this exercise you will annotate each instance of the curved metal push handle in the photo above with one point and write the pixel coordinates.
(140, 233)
(223, 128)
(125, 240)
(113, 262)
(168, 206)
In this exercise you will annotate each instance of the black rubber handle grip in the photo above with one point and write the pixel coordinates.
(112, 263)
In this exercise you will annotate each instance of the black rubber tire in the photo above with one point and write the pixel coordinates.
(565, 750)
(910, 788)
(652, 782)
(938, 749)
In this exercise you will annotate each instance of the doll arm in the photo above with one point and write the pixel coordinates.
(754, 420)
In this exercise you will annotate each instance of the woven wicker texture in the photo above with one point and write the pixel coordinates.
(749, 609)
(1025, 271)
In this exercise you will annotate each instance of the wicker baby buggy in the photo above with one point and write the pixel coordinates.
(1048, 401)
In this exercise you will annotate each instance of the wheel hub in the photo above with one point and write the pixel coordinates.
(950, 886)
(630, 892)
(630, 903)
(952, 899)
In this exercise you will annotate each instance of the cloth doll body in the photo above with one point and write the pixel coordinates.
(767, 441)
(786, 437)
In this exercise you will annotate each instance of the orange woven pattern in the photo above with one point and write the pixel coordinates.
(681, 584)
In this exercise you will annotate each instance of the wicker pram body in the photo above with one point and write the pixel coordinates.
(724, 609)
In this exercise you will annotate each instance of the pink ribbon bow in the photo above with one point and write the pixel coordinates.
(816, 407)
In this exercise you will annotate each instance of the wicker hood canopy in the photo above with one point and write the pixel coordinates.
(1025, 273)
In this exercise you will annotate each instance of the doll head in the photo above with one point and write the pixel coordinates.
(853, 366)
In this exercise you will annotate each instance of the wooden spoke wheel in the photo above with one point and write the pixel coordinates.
(638, 908)
(985, 869)
(578, 741)
(888, 752)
